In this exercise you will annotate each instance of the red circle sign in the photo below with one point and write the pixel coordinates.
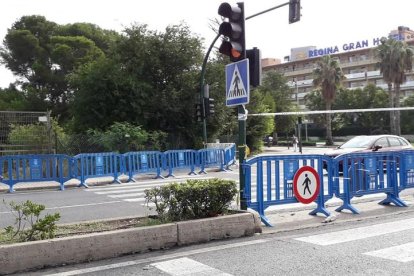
(306, 184)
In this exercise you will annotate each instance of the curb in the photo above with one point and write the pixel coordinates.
(96, 246)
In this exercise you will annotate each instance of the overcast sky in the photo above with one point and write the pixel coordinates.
(324, 23)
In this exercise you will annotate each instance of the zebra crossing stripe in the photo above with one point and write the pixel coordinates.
(401, 253)
(120, 191)
(127, 195)
(359, 233)
(187, 266)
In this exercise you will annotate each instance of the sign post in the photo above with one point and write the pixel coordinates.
(238, 94)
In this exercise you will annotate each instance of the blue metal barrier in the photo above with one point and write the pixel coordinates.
(211, 158)
(230, 156)
(180, 159)
(89, 165)
(406, 169)
(273, 184)
(35, 168)
(358, 174)
(143, 162)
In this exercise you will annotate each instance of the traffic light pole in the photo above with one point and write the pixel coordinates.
(242, 117)
(203, 72)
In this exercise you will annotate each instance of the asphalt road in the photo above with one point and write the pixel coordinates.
(375, 246)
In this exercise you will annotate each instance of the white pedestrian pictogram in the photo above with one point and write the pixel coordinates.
(237, 88)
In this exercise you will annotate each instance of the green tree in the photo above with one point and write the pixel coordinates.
(328, 76)
(42, 55)
(151, 80)
(349, 99)
(257, 127)
(395, 59)
(274, 85)
(407, 123)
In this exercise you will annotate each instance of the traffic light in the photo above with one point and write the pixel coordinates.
(255, 66)
(294, 11)
(199, 112)
(233, 44)
(209, 106)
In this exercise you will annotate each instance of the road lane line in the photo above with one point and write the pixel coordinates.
(158, 259)
(186, 266)
(83, 205)
(401, 253)
(359, 233)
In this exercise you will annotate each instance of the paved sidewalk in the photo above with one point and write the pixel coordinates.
(296, 216)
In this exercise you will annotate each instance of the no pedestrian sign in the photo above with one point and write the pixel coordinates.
(306, 184)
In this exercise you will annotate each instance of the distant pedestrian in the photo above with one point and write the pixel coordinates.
(295, 143)
(269, 141)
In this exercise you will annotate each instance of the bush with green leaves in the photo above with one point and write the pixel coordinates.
(193, 199)
(29, 226)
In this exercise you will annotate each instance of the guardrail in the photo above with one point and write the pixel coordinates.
(273, 184)
(89, 165)
(35, 168)
(346, 176)
(62, 168)
(142, 162)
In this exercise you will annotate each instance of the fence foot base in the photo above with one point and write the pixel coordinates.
(160, 176)
(202, 172)
(396, 200)
(131, 180)
(83, 185)
(117, 181)
(11, 189)
(321, 210)
(62, 187)
(170, 175)
(192, 173)
(349, 207)
(265, 221)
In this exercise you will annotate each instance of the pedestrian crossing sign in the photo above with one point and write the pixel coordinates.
(237, 83)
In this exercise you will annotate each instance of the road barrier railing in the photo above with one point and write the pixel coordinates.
(358, 174)
(211, 158)
(406, 169)
(61, 168)
(35, 168)
(229, 156)
(180, 159)
(92, 165)
(269, 181)
(143, 162)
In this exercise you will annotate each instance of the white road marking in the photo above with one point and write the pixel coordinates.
(158, 259)
(120, 191)
(401, 253)
(186, 266)
(359, 233)
(127, 195)
(135, 199)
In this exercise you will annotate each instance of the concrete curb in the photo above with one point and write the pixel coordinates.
(91, 247)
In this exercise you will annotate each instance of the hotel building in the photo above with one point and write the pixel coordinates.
(357, 60)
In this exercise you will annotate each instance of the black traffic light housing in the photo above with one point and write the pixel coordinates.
(255, 66)
(294, 11)
(199, 112)
(209, 106)
(234, 45)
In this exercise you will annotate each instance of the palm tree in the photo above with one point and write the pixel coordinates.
(328, 76)
(395, 58)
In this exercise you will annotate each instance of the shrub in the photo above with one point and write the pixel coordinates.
(28, 224)
(193, 199)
